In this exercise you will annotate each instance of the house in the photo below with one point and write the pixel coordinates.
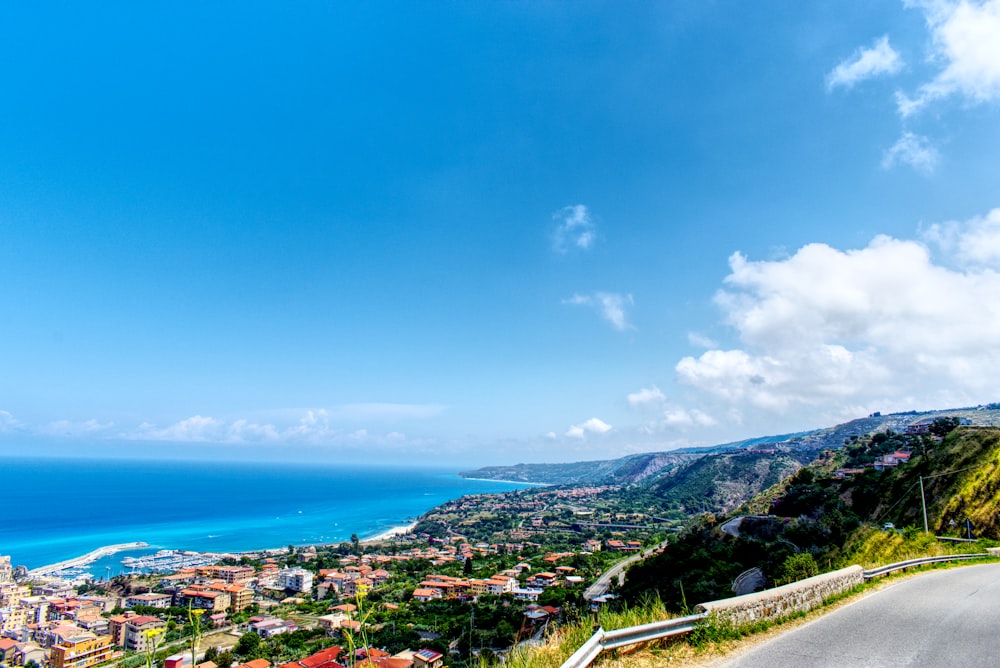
(542, 580)
(7, 648)
(427, 658)
(527, 593)
(325, 658)
(272, 626)
(332, 622)
(426, 594)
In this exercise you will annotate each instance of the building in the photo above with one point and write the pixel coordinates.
(239, 596)
(235, 574)
(151, 600)
(82, 651)
(427, 658)
(202, 598)
(138, 631)
(295, 579)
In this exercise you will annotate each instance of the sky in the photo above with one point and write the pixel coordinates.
(472, 233)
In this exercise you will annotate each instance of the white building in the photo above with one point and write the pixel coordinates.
(296, 579)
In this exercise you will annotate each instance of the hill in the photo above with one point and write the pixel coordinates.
(824, 515)
(637, 468)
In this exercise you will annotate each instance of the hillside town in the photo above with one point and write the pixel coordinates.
(476, 575)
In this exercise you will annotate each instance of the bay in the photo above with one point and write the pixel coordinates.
(56, 509)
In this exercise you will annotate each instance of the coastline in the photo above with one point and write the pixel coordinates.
(88, 558)
(391, 532)
(513, 482)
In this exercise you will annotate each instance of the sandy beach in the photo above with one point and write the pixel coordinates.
(391, 532)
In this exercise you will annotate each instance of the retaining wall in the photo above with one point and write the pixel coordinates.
(784, 600)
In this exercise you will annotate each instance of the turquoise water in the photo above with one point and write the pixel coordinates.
(58, 509)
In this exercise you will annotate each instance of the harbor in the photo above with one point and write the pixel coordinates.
(86, 559)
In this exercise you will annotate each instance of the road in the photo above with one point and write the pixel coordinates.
(600, 586)
(942, 618)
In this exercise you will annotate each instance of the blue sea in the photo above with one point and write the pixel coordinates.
(57, 509)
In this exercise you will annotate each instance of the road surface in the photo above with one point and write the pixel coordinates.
(942, 618)
(601, 585)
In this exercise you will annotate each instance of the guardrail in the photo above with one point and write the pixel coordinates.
(883, 570)
(602, 640)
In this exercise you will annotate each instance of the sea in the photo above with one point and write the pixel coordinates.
(57, 509)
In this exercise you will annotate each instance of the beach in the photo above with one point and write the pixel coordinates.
(391, 533)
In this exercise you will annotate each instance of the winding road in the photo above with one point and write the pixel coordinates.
(942, 618)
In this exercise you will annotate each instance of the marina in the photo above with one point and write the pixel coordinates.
(168, 561)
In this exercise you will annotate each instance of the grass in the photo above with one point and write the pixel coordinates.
(710, 640)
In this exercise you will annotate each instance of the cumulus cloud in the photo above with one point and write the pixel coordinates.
(912, 150)
(610, 305)
(648, 396)
(864, 64)
(976, 241)
(965, 37)
(592, 426)
(884, 327)
(575, 229)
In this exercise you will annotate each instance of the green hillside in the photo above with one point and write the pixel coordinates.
(815, 520)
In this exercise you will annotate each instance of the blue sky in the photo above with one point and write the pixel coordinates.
(479, 232)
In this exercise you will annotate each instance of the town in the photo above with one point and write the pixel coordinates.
(474, 577)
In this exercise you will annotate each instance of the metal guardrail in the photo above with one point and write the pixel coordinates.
(883, 570)
(602, 640)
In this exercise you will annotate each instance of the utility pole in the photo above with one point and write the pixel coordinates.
(923, 503)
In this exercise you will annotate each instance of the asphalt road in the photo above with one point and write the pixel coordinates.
(942, 618)
(603, 583)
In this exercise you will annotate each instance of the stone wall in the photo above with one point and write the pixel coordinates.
(781, 601)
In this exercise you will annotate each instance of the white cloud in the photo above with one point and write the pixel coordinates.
(966, 39)
(610, 305)
(683, 417)
(828, 333)
(8, 422)
(74, 429)
(865, 64)
(193, 429)
(575, 229)
(593, 426)
(912, 150)
(976, 241)
(700, 340)
(648, 396)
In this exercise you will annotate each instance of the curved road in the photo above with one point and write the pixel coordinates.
(942, 618)
(603, 583)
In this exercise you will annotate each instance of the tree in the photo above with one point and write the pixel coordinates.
(467, 567)
(943, 426)
(798, 567)
(247, 646)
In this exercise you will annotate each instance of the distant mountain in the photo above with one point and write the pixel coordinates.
(634, 469)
